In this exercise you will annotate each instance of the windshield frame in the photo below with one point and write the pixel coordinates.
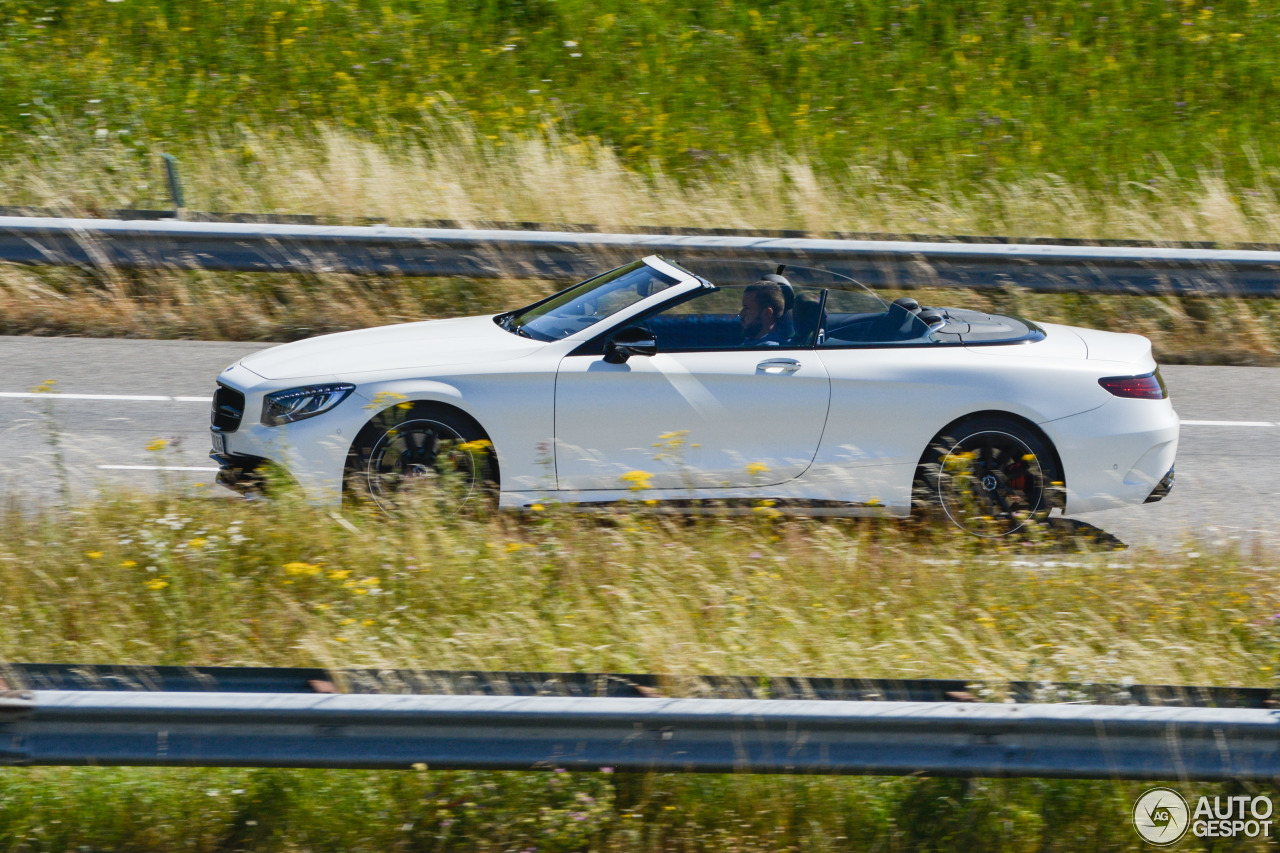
(682, 282)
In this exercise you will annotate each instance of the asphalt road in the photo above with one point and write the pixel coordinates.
(1228, 484)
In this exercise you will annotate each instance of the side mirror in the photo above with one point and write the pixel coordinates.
(633, 340)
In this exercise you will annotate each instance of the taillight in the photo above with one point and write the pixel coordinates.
(1148, 386)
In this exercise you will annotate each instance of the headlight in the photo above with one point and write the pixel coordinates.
(296, 404)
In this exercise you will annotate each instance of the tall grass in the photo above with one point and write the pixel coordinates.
(457, 173)
(464, 177)
(182, 579)
(169, 580)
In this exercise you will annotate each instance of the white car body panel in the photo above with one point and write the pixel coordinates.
(689, 420)
(428, 345)
(840, 430)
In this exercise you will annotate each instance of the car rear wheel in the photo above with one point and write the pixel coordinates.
(422, 453)
(989, 477)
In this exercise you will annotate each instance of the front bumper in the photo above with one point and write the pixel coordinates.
(313, 451)
(240, 473)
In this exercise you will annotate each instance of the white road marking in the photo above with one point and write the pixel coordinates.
(673, 375)
(138, 398)
(153, 468)
(1229, 423)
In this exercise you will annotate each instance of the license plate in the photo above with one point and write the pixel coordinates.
(219, 443)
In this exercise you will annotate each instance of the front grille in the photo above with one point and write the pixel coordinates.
(228, 409)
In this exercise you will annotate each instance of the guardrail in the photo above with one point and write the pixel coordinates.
(567, 256)
(667, 735)
(378, 718)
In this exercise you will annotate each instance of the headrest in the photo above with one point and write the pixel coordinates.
(788, 293)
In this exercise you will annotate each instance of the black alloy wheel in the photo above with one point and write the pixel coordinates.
(990, 477)
(408, 455)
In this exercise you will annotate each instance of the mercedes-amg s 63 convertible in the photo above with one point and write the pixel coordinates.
(651, 383)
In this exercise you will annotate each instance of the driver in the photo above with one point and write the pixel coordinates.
(762, 307)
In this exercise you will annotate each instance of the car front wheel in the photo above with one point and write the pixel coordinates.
(420, 452)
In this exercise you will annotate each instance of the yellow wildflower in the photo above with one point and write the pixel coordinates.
(639, 480)
(301, 569)
(156, 584)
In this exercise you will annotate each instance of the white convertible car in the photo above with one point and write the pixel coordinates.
(651, 383)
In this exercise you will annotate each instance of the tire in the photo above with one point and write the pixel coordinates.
(989, 476)
(422, 452)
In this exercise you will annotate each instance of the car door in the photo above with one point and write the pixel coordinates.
(705, 412)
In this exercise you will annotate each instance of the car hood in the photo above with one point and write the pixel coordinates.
(432, 343)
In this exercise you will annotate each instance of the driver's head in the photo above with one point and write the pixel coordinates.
(762, 305)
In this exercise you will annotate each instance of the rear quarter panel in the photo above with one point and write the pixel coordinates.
(887, 404)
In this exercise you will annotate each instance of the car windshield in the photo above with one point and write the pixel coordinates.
(588, 303)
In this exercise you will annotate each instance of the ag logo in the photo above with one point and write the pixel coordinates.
(1161, 816)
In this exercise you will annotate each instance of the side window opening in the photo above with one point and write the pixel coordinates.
(721, 319)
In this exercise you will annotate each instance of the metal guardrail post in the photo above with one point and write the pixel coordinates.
(175, 186)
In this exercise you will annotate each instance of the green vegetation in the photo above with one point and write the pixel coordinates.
(258, 811)
(174, 579)
(1116, 119)
(179, 580)
(1120, 120)
(935, 93)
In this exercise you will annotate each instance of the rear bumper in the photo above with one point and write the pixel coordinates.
(1119, 454)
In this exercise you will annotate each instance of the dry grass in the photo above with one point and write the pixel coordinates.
(185, 580)
(179, 579)
(276, 307)
(462, 176)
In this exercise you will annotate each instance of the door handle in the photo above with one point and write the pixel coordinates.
(778, 366)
